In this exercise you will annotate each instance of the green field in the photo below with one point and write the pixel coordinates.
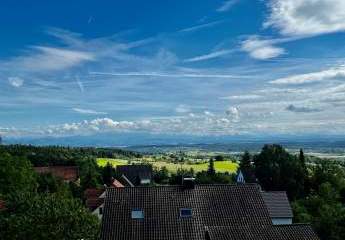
(221, 166)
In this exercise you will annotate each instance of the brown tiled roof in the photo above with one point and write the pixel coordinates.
(2, 205)
(135, 172)
(93, 199)
(278, 204)
(117, 184)
(67, 173)
(240, 207)
(93, 192)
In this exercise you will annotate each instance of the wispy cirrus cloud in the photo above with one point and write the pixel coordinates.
(242, 97)
(320, 76)
(40, 58)
(169, 75)
(88, 111)
(200, 26)
(227, 5)
(212, 55)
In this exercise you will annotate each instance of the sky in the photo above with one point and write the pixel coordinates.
(206, 68)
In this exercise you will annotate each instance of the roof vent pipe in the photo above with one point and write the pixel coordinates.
(188, 182)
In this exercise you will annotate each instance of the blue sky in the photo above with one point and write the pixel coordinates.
(183, 67)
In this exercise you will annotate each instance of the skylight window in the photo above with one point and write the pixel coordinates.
(185, 212)
(137, 214)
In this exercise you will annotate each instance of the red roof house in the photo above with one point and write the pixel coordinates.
(2, 205)
(67, 173)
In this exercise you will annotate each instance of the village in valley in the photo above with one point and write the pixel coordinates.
(132, 195)
(172, 120)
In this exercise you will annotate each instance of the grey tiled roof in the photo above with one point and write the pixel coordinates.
(281, 232)
(135, 172)
(278, 204)
(296, 232)
(240, 207)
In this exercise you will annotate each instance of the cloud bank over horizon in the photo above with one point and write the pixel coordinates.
(282, 71)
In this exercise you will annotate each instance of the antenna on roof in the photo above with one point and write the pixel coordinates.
(240, 178)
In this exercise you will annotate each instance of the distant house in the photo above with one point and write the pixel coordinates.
(66, 173)
(2, 205)
(193, 212)
(117, 184)
(278, 207)
(94, 198)
(136, 174)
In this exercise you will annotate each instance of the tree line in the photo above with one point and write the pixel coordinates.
(316, 189)
(44, 207)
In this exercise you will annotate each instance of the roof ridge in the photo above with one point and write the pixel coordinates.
(197, 185)
(293, 225)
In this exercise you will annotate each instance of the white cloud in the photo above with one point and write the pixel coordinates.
(16, 81)
(312, 77)
(48, 59)
(306, 17)
(233, 112)
(201, 26)
(182, 109)
(242, 97)
(227, 5)
(208, 113)
(88, 111)
(168, 75)
(211, 55)
(261, 49)
(80, 84)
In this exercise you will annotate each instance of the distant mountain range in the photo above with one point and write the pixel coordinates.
(160, 142)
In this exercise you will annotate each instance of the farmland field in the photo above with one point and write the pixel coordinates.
(220, 166)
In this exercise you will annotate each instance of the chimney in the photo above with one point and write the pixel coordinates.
(188, 183)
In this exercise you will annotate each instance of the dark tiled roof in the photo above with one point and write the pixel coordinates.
(219, 212)
(135, 172)
(67, 173)
(296, 232)
(278, 204)
(212, 205)
(281, 232)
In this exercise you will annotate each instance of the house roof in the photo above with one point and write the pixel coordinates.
(117, 184)
(93, 198)
(280, 232)
(135, 172)
(278, 204)
(67, 173)
(2, 205)
(296, 232)
(239, 206)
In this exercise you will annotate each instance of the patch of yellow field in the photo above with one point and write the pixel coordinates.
(221, 166)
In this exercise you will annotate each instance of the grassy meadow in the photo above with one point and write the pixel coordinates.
(220, 166)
